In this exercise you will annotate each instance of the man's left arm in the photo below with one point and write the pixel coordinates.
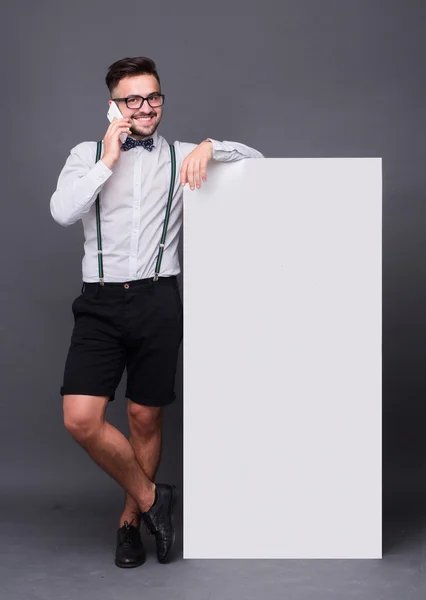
(194, 165)
(230, 151)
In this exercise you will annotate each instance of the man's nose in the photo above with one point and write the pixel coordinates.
(146, 108)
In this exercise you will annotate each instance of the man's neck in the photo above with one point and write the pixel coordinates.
(144, 137)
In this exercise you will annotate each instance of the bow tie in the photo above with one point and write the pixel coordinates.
(131, 143)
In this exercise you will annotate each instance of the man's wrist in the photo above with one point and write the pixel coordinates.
(210, 145)
(109, 162)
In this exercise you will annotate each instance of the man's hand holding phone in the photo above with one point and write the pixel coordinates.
(116, 135)
(112, 141)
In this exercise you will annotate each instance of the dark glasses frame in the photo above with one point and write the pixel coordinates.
(148, 98)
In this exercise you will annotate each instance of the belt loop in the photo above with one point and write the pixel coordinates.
(83, 287)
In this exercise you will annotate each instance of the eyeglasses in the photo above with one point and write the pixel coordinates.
(154, 100)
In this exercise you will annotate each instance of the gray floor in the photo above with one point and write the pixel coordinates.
(61, 548)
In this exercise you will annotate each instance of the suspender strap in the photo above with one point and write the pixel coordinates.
(98, 224)
(166, 219)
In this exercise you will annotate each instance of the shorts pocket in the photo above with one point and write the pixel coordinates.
(74, 304)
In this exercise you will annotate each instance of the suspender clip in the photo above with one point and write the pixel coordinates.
(156, 277)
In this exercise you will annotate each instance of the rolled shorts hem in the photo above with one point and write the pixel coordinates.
(73, 392)
(144, 401)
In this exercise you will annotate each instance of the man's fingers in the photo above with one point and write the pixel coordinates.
(198, 174)
(119, 124)
(204, 170)
(191, 174)
(193, 170)
(116, 132)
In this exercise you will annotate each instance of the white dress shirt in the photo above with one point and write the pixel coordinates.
(133, 200)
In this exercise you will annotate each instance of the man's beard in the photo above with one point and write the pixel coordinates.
(135, 130)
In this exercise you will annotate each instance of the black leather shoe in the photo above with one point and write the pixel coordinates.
(159, 520)
(130, 551)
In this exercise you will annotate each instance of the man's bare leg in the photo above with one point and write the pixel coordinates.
(145, 439)
(107, 446)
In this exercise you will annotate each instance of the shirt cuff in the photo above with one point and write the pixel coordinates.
(102, 172)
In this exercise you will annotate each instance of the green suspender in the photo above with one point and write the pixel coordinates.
(166, 219)
(98, 224)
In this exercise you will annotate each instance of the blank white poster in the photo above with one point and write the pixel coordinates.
(282, 360)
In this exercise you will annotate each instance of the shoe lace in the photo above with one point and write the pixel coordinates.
(127, 537)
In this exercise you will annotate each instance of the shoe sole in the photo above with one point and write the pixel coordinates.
(175, 494)
(129, 566)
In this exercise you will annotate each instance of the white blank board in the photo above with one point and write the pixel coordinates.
(282, 360)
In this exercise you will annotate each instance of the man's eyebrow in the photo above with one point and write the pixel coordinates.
(139, 95)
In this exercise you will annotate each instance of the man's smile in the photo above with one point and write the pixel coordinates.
(145, 120)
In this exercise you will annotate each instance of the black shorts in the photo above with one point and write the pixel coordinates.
(137, 325)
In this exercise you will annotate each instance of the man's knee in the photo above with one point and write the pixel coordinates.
(83, 416)
(144, 420)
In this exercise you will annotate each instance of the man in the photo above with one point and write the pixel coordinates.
(128, 316)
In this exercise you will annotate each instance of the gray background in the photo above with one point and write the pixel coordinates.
(292, 79)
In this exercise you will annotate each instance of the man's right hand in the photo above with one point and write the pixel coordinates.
(112, 142)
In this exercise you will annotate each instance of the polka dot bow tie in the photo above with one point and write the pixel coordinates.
(131, 143)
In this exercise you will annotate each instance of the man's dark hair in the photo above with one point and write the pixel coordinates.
(128, 67)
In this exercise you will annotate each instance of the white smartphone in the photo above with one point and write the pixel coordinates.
(114, 111)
